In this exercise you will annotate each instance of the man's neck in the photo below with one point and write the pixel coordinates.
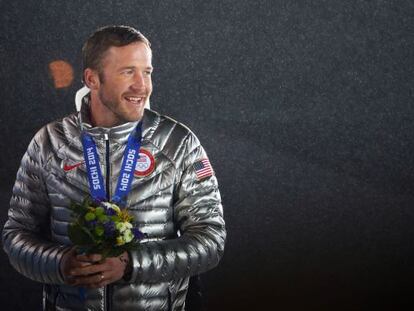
(102, 116)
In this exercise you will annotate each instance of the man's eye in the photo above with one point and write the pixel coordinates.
(128, 72)
(148, 72)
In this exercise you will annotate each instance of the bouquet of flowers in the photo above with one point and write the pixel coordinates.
(102, 228)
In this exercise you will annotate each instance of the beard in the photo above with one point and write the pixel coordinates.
(120, 110)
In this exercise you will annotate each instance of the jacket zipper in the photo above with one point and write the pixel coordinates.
(107, 289)
(108, 168)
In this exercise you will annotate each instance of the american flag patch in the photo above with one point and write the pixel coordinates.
(203, 169)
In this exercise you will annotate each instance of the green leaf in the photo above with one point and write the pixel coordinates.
(99, 211)
(90, 216)
(103, 218)
(115, 218)
(99, 231)
(79, 235)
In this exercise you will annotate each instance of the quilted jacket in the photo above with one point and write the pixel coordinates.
(180, 212)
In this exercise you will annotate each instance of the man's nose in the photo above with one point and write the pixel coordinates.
(139, 82)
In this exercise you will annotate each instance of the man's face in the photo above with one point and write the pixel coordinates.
(125, 84)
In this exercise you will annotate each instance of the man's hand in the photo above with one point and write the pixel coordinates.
(91, 270)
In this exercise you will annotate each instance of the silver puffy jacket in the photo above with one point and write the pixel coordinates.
(182, 216)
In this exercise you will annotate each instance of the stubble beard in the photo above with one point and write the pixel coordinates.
(115, 106)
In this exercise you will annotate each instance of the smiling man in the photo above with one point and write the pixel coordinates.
(121, 84)
(172, 193)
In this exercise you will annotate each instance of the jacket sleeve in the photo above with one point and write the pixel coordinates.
(27, 230)
(198, 215)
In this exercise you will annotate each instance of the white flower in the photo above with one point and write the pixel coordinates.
(106, 204)
(115, 208)
(127, 236)
(110, 205)
(123, 226)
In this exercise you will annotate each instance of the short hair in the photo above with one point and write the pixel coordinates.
(94, 49)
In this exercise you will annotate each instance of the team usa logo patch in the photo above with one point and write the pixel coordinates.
(203, 169)
(145, 163)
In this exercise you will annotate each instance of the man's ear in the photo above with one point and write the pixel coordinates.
(91, 78)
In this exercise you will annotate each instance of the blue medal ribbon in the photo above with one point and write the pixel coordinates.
(129, 161)
(93, 169)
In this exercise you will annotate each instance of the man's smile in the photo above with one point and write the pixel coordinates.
(135, 99)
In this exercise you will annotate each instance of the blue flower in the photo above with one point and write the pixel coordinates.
(97, 201)
(137, 234)
(110, 212)
(109, 229)
(111, 209)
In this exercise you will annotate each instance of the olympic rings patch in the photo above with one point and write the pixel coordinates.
(145, 163)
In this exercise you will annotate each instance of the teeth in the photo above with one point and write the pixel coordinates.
(133, 98)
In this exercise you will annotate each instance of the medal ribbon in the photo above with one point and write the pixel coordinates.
(129, 161)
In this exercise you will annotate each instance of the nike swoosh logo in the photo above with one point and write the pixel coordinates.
(68, 168)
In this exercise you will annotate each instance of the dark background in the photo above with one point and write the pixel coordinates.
(306, 111)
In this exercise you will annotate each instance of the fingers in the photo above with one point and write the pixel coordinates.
(75, 264)
(91, 271)
(103, 281)
(92, 258)
(69, 262)
(86, 268)
(93, 281)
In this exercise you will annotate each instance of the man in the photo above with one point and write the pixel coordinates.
(173, 197)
